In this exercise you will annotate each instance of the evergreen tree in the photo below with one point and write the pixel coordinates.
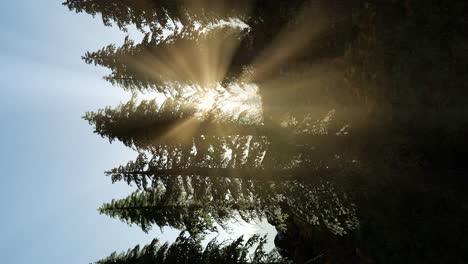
(153, 62)
(158, 13)
(155, 14)
(187, 58)
(178, 120)
(147, 123)
(189, 250)
(204, 201)
(177, 208)
(238, 157)
(396, 63)
(225, 197)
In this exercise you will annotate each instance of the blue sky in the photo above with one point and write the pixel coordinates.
(51, 163)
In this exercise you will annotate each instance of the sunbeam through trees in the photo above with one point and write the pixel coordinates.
(341, 123)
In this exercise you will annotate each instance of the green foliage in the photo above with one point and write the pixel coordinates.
(141, 13)
(179, 208)
(229, 196)
(155, 14)
(131, 121)
(145, 124)
(189, 250)
(145, 210)
(374, 174)
(165, 63)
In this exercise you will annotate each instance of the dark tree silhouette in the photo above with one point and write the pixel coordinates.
(189, 250)
(176, 208)
(172, 62)
(390, 158)
(158, 13)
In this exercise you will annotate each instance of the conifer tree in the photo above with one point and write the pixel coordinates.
(394, 55)
(155, 14)
(172, 62)
(158, 13)
(189, 250)
(178, 209)
(130, 65)
(148, 123)
(193, 202)
(178, 120)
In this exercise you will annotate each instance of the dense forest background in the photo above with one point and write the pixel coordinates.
(342, 123)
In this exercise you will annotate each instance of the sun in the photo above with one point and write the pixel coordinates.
(231, 102)
(207, 102)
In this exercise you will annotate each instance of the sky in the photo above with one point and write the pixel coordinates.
(51, 163)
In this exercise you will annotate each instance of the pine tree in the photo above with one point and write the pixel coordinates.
(226, 197)
(263, 22)
(177, 208)
(155, 14)
(189, 250)
(177, 182)
(204, 202)
(137, 125)
(392, 56)
(187, 58)
(236, 157)
(158, 13)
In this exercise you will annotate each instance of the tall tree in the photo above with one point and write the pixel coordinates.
(191, 57)
(397, 63)
(146, 123)
(237, 157)
(322, 207)
(177, 209)
(151, 59)
(189, 250)
(192, 202)
(140, 125)
(157, 13)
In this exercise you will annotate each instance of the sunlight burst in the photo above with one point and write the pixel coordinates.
(207, 102)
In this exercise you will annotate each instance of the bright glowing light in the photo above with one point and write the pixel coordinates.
(207, 102)
(231, 22)
(224, 102)
(147, 96)
(232, 102)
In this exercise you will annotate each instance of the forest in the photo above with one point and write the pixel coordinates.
(342, 123)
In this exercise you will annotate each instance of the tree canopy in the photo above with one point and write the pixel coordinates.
(188, 249)
(352, 138)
